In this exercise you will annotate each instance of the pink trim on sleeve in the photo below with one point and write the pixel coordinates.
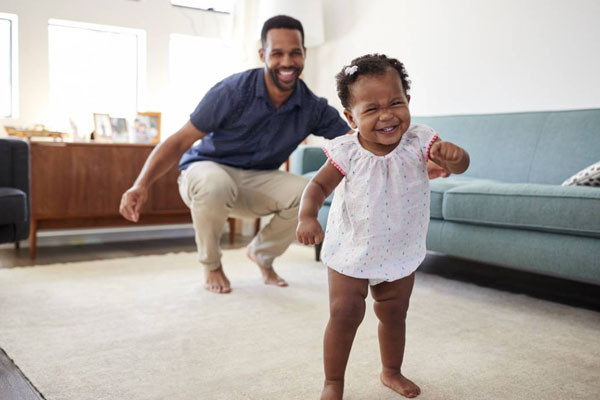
(333, 162)
(431, 144)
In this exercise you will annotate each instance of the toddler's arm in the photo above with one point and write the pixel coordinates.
(449, 156)
(318, 189)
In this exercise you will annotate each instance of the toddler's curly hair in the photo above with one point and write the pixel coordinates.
(370, 64)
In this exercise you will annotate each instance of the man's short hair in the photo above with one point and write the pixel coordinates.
(280, 21)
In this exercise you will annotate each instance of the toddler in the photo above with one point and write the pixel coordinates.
(379, 215)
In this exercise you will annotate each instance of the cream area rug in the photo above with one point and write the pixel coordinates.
(144, 328)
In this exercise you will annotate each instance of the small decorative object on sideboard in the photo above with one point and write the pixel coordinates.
(146, 127)
(37, 130)
(103, 131)
(120, 129)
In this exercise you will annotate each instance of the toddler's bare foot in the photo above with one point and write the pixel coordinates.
(269, 275)
(216, 281)
(398, 383)
(332, 391)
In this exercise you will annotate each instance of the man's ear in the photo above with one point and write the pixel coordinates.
(261, 54)
(408, 98)
(350, 118)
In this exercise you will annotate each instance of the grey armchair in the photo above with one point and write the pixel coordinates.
(14, 190)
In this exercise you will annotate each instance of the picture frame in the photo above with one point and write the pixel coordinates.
(102, 127)
(120, 129)
(146, 127)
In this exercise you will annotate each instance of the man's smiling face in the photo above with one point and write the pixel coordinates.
(283, 56)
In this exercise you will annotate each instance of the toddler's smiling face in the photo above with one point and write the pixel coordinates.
(379, 110)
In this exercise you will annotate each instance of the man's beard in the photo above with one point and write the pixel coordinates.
(280, 86)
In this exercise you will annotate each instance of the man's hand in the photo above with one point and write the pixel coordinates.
(132, 201)
(309, 231)
(435, 171)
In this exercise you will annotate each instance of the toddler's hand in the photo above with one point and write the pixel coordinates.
(446, 151)
(309, 231)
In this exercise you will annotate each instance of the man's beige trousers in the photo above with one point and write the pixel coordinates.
(214, 192)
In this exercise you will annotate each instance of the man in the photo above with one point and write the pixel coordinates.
(249, 124)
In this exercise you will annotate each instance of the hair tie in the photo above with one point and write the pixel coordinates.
(351, 70)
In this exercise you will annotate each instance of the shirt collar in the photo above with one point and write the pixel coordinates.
(261, 91)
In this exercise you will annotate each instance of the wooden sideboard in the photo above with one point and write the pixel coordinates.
(79, 185)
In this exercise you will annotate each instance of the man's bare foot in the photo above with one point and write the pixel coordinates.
(332, 392)
(216, 281)
(398, 383)
(269, 275)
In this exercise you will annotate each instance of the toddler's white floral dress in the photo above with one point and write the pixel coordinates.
(379, 216)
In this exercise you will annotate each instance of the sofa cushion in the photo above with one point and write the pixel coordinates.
(13, 206)
(531, 142)
(589, 176)
(568, 142)
(526, 206)
(441, 185)
(491, 140)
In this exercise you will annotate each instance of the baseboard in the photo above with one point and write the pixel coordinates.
(70, 237)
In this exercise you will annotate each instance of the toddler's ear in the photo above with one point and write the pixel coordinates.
(350, 118)
(408, 98)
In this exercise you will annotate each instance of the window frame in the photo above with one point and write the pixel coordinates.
(189, 4)
(14, 65)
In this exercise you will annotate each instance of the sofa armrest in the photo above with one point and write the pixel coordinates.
(307, 159)
(14, 164)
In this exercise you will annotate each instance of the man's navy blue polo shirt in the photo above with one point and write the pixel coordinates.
(245, 130)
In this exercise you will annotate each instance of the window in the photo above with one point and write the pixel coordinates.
(93, 69)
(225, 6)
(8, 66)
(195, 65)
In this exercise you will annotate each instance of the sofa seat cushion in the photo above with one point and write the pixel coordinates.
(572, 209)
(441, 185)
(13, 206)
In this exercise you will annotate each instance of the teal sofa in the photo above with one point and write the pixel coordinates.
(509, 208)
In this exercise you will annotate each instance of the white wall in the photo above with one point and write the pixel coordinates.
(463, 56)
(470, 56)
(157, 17)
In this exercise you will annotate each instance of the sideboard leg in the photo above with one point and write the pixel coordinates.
(256, 226)
(231, 222)
(33, 239)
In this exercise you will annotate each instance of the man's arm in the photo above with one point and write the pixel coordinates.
(162, 158)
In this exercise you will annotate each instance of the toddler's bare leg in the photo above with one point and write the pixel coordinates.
(391, 306)
(346, 311)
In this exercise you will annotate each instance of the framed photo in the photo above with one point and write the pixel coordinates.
(102, 127)
(120, 131)
(146, 127)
